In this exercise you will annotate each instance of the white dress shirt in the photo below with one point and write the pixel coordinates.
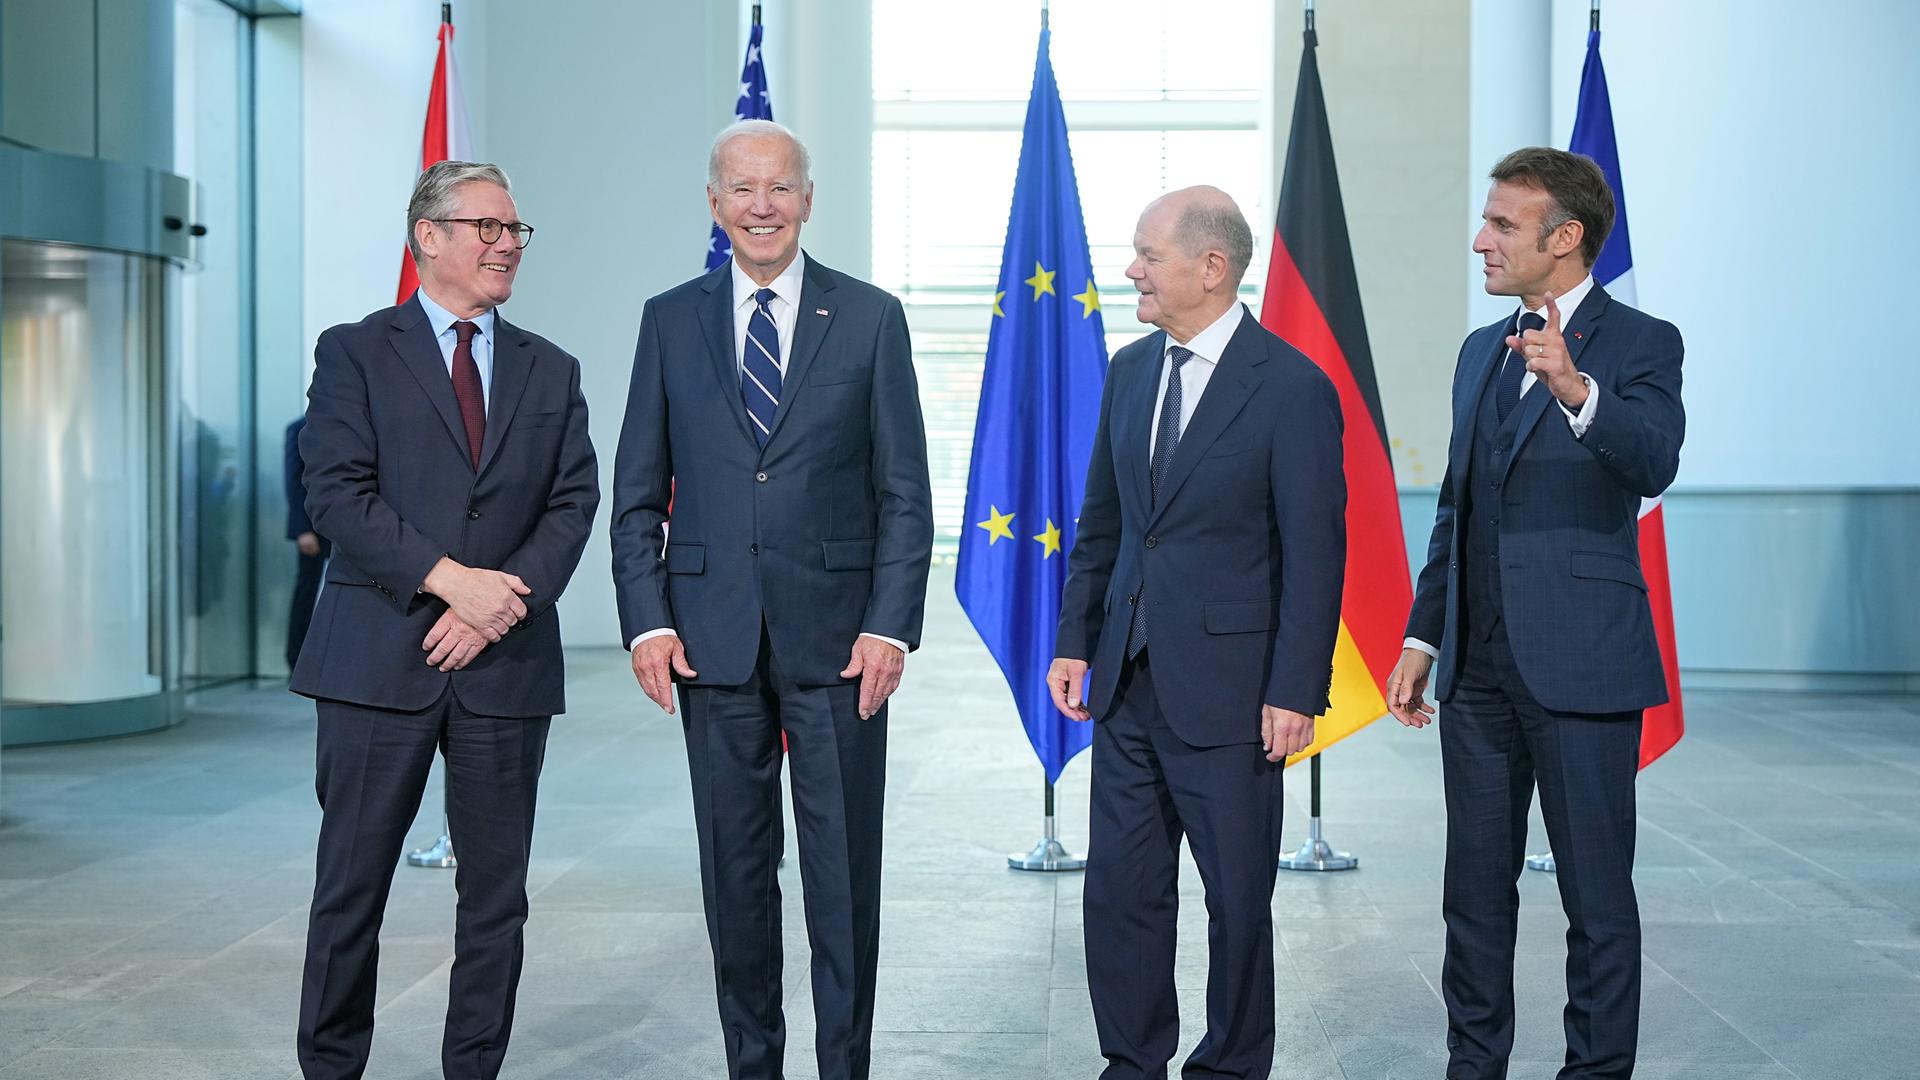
(442, 322)
(784, 307)
(1206, 346)
(1579, 422)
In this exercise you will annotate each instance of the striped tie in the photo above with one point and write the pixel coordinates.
(760, 367)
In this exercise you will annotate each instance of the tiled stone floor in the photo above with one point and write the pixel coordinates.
(153, 897)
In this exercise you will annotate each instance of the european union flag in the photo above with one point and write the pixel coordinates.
(1039, 405)
(751, 105)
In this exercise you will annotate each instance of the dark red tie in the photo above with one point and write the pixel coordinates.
(466, 388)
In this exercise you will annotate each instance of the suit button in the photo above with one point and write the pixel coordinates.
(1153, 541)
(1129, 598)
(760, 476)
(753, 549)
(1495, 521)
(473, 514)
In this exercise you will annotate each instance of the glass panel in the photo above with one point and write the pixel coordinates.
(211, 319)
(1103, 50)
(80, 487)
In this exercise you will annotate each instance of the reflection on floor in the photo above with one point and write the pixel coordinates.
(153, 899)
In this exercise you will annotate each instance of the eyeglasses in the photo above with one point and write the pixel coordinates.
(489, 229)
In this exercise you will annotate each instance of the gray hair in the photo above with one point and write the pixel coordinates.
(1217, 225)
(436, 193)
(741, 129)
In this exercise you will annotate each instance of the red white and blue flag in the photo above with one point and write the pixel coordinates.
(1593, 136)
(752, 105)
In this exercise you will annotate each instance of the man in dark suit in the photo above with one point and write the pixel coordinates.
(773, 406)
(1565, 415)
(447, 460)
(1204, 588)
(309, 546)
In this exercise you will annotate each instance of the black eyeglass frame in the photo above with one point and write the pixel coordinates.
(522, 232)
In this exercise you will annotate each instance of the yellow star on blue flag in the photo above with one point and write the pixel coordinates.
(1039, 404)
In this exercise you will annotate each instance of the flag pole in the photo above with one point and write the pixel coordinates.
(439, 855)
(1316, 853)
(1049, 855)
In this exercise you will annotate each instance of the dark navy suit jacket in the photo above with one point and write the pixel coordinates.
(825, 534)
(1243, 558)
(390, 481)
(1575, 603)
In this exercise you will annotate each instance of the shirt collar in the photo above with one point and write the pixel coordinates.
(786, 286)
(1210, 343)
(441, 319)
(1568, 304)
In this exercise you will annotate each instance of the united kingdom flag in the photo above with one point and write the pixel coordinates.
(752, 105)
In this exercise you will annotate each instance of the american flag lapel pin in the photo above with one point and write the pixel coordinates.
(821, 311)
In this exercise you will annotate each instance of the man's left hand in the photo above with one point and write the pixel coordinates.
(1284, 732)
(878, 665)
(1546, 354)
(452, 644)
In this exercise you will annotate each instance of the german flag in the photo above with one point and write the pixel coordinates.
(1313, 301)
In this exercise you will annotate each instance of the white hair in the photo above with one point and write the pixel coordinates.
(741, 129)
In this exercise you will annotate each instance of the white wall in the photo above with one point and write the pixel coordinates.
(602, 111)
(1768, 152)
(367, 68)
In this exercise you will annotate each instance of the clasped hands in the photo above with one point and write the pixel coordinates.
(1283, 732)
(877, 664)
(482, 607)
(1545, 351)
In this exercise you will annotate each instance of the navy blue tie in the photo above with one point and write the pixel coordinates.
(1166, 440)
(760, 367)
(1514, 370)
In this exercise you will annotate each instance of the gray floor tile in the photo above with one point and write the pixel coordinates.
(153, 896)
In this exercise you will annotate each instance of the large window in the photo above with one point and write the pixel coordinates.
(1157, 97)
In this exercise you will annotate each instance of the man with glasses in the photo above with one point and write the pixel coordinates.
(447, 461)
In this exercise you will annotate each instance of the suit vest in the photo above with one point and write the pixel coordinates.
(1487, 458)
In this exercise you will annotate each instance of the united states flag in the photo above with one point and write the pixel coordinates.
(752, 105)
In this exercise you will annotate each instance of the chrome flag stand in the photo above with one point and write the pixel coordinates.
(1316, 853)
(440, 855)
(1049, 855)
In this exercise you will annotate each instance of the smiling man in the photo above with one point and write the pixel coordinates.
(1531, 613)
(447, 461)
(774, 407)
(1204, 590)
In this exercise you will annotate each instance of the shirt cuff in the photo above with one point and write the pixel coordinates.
(638, 638)
(896, 643)
(1416, 643)
(1583, 419)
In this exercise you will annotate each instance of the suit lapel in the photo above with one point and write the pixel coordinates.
(716, 320)
(413, 340)
(809, 330)
(1226, 394)
(1484, 350)
(1577, 330)
(1133, 422)
(512, 365)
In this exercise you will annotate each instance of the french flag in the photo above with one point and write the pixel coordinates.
(447, 137)
(1593, 136)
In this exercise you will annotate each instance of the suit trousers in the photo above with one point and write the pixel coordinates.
(839, 783)
(373, 767)
(1150, 788)
(1496, 743)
